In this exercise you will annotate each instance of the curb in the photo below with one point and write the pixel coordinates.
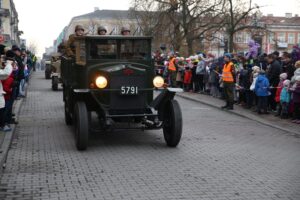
(264, 122)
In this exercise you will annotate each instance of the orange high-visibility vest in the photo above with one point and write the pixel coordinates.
(227, 72)
(172, 65)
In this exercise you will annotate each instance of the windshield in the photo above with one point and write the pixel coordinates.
(134, 49)
(103, 49)
(120, 49)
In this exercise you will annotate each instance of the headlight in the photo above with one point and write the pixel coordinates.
(101, 82)
(158, 81)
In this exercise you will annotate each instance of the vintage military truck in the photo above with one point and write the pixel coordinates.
(48, 69)
(55, 71)
(114, 77)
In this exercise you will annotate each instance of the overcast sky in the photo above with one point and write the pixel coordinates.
(43, 20)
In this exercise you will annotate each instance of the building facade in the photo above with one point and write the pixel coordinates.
(9, 30)
(273, 33)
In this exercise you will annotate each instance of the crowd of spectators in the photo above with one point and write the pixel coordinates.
(16, 66)
(264, 83)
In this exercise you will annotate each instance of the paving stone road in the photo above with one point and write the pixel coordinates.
(221, 157)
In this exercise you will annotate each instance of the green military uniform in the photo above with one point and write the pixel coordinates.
(70, 46)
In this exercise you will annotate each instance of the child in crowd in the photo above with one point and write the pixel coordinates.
(252, 96)
(282, 77)
(262, 92)
(285, 99)
(187, 79)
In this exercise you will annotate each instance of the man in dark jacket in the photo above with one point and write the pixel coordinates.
(20, 75)
(274, 71)
(288, 66)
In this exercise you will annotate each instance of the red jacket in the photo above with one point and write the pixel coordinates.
(187, 77)
(7, 87)
(278, 91)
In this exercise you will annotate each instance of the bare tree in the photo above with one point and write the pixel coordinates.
(239, 15)
(188, 19)
(92, 26)
(153, 19)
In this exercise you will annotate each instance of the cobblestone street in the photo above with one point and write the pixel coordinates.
(221, 157)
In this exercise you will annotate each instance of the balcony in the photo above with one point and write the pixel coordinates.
(4, 12)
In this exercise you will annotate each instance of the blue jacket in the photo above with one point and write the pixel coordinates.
(262, 86)
(285, 96)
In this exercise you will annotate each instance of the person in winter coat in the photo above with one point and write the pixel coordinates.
(262, 92)
(288, 65)
(296, 72)
(8, 89)
(282, 77)
(253, 78)
(214, 80)
(273, 75)
(228, 81)
(200, 72)
(21, 67)
(296, 99)
(187, 78)
(285, 98)
(4, 74)
(179, 73)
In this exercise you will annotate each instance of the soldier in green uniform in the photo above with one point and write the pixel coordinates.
(125, 31)
(101, 30)
(70, 46)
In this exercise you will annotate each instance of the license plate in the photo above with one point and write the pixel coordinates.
(129, 90)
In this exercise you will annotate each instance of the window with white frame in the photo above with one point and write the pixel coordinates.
(281, 37)
(291, 38)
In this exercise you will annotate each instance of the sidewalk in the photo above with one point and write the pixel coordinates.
(269, 120)
(7, 137)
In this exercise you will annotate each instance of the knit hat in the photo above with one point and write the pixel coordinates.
(283, 76)
(286, 83)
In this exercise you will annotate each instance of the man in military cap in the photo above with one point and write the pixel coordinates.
(101, 30)
(125, 31)
(70, 46)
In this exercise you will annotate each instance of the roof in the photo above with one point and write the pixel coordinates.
(108, 14)
(114, 37)
(272, 20)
